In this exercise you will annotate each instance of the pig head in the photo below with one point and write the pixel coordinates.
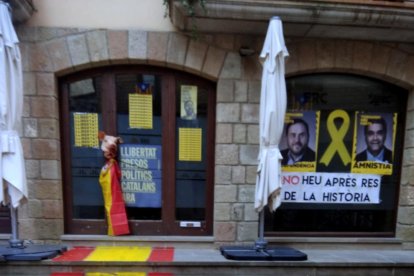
(109, 144)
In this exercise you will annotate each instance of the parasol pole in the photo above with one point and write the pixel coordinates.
(14, 240)
(261, 243)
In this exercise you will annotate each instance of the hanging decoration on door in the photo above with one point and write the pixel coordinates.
(109, 179)
(140, 107)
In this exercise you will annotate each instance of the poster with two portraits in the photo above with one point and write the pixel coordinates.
(336, 156)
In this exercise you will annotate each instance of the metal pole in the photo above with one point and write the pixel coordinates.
(14, 240)
(261, 244)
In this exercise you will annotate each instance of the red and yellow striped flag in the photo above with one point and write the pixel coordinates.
(109, 180)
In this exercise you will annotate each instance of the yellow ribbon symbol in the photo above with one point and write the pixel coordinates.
(337, 136)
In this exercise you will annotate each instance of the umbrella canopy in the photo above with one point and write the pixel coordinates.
(272, 114)
(12, 169)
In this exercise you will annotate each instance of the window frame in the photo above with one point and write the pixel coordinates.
(167, 225)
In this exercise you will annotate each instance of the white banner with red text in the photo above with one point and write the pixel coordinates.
(338, 188)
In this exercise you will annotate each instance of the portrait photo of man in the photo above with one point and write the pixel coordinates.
(375, 135)
(188, 102)
(297, 140)
(189, 110)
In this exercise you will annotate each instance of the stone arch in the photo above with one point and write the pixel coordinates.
(83, 50)
(374, 59)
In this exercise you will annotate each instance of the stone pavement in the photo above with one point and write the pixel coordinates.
(187, 261)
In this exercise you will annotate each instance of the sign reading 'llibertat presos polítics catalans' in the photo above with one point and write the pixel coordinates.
(141, 175)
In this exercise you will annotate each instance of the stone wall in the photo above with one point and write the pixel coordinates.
(405, 221)
(52, 52)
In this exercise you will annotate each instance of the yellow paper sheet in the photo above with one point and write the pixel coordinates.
(86, 129)
(140, 111)
(189, 144)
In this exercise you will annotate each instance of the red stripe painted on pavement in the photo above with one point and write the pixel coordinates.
(103, 273)
(74, 254)
(161, 254)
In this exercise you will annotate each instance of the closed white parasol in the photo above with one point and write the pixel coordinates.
(12, 169)
(13, 183)
(272, 114)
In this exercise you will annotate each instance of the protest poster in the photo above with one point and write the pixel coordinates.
(341, 171)
(374, 143)
(141, 175)
(140, 107)
(188, 104)
(331, 188)
(299, 141)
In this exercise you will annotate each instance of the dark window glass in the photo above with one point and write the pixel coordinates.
(355, 96)
(126, 85)
(5, 226)
(191, 126)
(86, 163)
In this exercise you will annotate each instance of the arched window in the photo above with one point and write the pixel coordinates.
(166, 121)
(342, 148)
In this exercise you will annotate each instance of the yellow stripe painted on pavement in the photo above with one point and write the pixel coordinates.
(120, 253)
(116, 274)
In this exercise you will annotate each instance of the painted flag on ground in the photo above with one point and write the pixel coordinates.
(117, 254)
(111, 274)
(109, 180)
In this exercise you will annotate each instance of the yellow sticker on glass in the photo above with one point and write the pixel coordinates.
(86, 129)
(140, 111)
(189, 144)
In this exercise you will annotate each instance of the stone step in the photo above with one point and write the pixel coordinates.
(363, 243)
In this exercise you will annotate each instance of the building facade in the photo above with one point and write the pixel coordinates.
(203, 186)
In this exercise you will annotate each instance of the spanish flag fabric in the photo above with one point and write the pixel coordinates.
(109, 180)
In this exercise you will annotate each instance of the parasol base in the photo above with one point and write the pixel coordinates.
(250, 253)
(31, 252)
